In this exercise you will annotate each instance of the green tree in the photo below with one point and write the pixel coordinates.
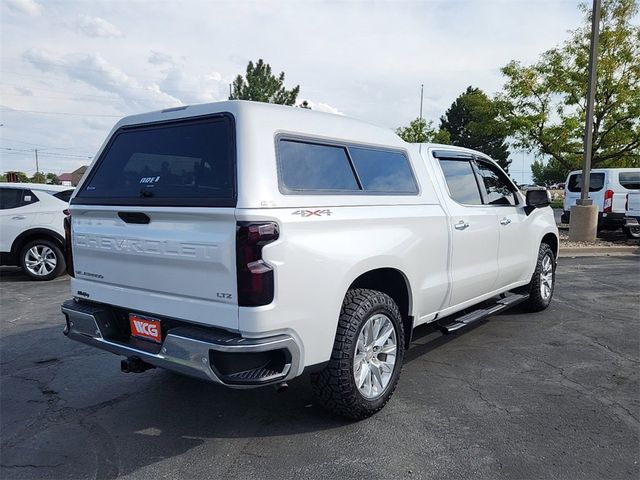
(305, 104)
(53, 179)
(474, 121)
(38, 177)
(548, 173)
(421, 131)
(260, 85)
(545, 103)
(3, 177)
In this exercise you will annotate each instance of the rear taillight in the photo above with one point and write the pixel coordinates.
(68, 254)
(255, 276)
(626, 203)
(608, 201)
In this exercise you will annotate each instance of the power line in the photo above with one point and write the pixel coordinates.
(80, 98)
(41, 145)
(14, 110)
(21, 151)
(146, 89)
(56, 91)
(72, 67)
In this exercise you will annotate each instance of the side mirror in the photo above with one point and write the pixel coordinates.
(537, 199)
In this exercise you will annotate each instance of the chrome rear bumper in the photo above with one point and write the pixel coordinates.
(191, 350)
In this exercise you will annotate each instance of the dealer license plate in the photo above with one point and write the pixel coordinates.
(145, 327)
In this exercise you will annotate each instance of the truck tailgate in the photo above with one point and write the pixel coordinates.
(179, 264)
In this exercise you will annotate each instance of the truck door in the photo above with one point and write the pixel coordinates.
(515, 248)
(474, 237)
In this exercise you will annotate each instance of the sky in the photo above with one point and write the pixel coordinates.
(70, 69)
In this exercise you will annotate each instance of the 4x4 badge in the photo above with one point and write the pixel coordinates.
(312, 213)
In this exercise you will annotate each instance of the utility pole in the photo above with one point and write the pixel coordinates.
(421, 97)
(584, 215)
(37, 166)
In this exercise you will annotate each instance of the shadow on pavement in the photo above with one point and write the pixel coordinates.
(67, 410)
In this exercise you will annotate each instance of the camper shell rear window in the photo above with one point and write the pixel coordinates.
(179, 163)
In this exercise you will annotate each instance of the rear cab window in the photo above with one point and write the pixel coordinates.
(630, 180)
(309, 167)
(65, 195)
(596, 182)
(461, 181)
(179, 163)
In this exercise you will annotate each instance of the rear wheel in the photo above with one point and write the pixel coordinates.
(42, 259)
(632, 232)
(367, 355)
(543, 280)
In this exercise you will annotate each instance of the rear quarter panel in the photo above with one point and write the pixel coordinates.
(318, 257)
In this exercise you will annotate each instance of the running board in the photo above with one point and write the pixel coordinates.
(482, 313)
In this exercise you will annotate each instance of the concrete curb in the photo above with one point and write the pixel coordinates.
(598, 251)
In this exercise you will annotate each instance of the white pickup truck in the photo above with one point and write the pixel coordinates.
(245, 243)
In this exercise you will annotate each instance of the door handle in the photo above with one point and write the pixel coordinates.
(505, 221)
(461, 225)
(18, 217)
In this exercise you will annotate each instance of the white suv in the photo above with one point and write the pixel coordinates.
(31, 227)
(245, 243)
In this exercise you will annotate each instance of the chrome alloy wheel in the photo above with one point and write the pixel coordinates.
(375, 356)
(546, 277)
(40, 260)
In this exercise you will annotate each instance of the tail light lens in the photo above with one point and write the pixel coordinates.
(255, 276)
(626, 203)
(608, 201)
(68, 253)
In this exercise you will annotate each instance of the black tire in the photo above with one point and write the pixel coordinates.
(335, 385)
(632, 232)
(56, 251)
(537, 301)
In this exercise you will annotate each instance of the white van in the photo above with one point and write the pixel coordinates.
(608, 190)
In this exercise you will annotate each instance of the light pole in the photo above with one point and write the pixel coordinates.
(583, 223)
(421, 97)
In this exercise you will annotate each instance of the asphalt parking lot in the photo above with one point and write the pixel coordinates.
(553, 395)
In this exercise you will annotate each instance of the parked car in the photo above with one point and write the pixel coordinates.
(246, 243)
(608, 190)
(31, 227)
(632, 214)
